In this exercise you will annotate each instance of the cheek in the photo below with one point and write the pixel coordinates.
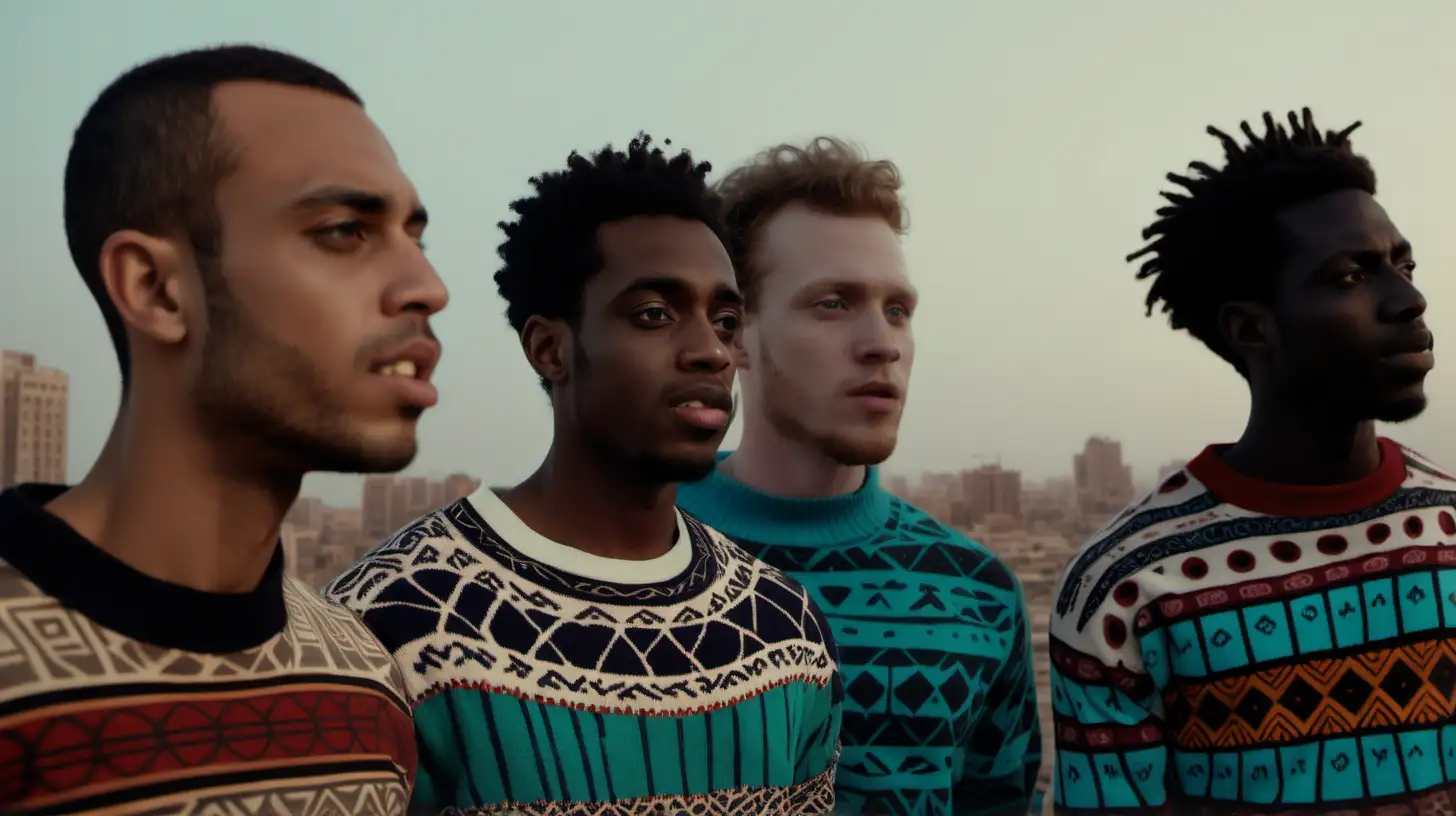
(313, 309)
(806, 349)
(1334, 334)
(622, 379)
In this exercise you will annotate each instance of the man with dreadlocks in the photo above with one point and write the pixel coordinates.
(1270, 631)
(575, 644)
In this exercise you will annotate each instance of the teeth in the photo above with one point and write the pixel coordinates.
(693, 404)
(403, 368)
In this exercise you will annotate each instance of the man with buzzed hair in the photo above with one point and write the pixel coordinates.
(255, 251)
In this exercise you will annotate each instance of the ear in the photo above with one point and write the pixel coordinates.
(547, 344)
(147, 279)
(1249, 329)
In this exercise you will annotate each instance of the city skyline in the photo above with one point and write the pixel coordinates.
(41, 379)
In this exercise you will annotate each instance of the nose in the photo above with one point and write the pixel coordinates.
(703, 351)
(878, 342)
(1404, 303)
(416, 287)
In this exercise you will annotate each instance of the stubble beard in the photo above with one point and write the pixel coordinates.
(641, 466)
(271, 402)
(780, 402)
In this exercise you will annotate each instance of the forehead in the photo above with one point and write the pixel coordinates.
(287, 140)
(662, 246)
(799, 246)
(1346, 222)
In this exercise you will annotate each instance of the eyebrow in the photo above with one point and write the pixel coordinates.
(676, 287)
(360, 201)
(858, 288)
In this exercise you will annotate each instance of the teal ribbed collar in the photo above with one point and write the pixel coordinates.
(739, 511)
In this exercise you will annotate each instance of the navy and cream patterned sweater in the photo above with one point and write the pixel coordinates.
(940, 712)
(546, 680)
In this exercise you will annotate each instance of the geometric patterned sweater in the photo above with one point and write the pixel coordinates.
(940, 713)
(546, 680)
(124, 694)
(1227, 645)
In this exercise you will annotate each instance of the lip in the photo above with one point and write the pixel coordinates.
(1419, 361)
(416, 390)
(1416, 342)
(876, 396)
(715, 412)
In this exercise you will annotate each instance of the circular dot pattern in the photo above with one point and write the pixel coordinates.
(1195, 568)
(1286, 551)
(1332, 544)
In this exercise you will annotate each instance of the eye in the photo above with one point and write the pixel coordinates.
(1409, 269)
(833, 304)
(898, 312)
(655, 315)
(729, 323)
(341, 234)
(1353, 277)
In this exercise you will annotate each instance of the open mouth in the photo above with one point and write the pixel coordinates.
(707, 409)
(403, 368)
(407, 370)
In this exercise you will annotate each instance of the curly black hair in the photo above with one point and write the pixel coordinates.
(1219, 241)
(551, 249)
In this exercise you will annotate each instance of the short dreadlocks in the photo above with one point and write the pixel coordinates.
(1220, 242)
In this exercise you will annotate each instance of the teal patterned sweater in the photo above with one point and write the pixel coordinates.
(940, 712)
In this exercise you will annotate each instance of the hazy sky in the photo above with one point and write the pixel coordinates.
(1033, 136)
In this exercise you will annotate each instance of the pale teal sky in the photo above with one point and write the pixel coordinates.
(1033, 135)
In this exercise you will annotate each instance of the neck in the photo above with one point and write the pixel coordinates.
(166, 500)
(1289, 444)
(578, 500)
(770, 462)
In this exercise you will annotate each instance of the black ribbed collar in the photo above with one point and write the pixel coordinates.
(89, 580)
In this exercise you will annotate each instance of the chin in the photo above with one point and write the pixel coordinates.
(365, 452)
(680, 468)
(1402, 409)
(856, 449)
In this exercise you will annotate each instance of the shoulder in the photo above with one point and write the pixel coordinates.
(1421, 471)
(937, 548)
(389, 588)
(1160, 525)
(318, 623)
(767, 583)
(415, 546)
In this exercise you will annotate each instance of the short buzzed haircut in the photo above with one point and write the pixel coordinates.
(148, 156)
(827, 175)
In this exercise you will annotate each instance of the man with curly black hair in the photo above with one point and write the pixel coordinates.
(575, 643)
(1270, 630)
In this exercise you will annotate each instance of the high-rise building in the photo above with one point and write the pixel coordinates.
(458, 486)
(991, 490)
(34, 409)
(378, 491)
(307, 513)
(1104, 483)
(390, 503)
